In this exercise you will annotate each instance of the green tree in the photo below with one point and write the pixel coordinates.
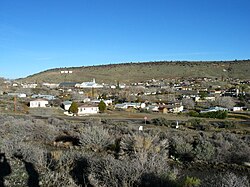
(203, 95)
(102, 106)
(73, 108)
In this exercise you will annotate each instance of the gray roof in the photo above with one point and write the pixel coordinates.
(68, 84)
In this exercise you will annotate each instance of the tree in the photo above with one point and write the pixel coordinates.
(227, 102)
(203, 95)
(188, 103)
(102, 106)
(73, 108)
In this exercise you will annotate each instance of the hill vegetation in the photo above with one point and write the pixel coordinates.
(134, 72)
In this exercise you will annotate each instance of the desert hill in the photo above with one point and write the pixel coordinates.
(134, 72)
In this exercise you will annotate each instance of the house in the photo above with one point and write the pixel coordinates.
(37, 103)
(121, 86)
(47, 97)
(238, 108)
(130, 105)
(214, 109)
(86, 109)
(186, 88)
(33, 85)
(51, 85)
(208, 98)
(108, 102)
(174, 108)
(121, 106)
(215, 92)
(232, 92)
(66, 105)
(153, 108)
(20, 95)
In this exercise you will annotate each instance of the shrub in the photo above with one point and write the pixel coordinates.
(161, 121)
(193, 113)
(191, 182)
(180, 148)
(95, 138)
(218, 114)
(204, 150)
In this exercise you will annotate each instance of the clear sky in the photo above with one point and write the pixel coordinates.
(36, 35)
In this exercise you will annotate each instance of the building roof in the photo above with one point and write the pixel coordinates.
(67, 102)
(68, 84)
(39, 99)
(87, 105)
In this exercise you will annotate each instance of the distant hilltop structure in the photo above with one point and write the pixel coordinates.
(66, 72)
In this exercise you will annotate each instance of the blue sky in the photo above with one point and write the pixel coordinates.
(36, 35)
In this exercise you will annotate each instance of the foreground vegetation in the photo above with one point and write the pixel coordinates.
(95, 152)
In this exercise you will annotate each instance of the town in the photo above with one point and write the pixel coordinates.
(124, 93)
(191, 96)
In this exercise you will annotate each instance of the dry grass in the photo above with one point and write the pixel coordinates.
(134, 72)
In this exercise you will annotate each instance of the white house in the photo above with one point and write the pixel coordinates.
(33, 85)
(130, 105)
(153, 108)
(106, 101)
(214, 109)
(85, 100)
(20, 95)
(237, 108)
(39, 103)
(47, 97)
(51, 85)
(176, 108)
(86, 109)
(66, 105)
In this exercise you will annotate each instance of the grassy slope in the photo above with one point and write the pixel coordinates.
(131, 72)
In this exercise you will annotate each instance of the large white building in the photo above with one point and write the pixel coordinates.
(92, 84)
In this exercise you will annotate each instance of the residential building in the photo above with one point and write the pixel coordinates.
(66, 105)
(86, 109)
(214, 109)
(37, 103)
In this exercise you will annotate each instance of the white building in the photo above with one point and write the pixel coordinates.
(177, 109)
(33, 85)
(39, 103)
(130, 105)
(20, 95)
(87, 109)
(66, 105)
(92, 84)
(51, 85)
(237, 108)
(214, 109)
(106, 101)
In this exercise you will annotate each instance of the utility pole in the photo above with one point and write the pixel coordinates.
(93, 92)
(15, 103)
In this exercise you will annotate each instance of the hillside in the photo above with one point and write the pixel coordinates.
(131, 72)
